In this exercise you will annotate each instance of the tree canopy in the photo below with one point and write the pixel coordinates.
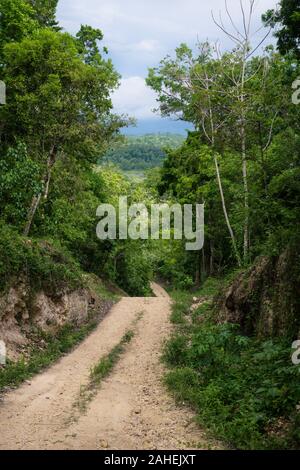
(287, 20)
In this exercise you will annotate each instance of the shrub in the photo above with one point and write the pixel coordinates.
(46, 265)
(244, 389)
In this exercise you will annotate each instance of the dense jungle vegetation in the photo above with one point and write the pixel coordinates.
(231, 355)
(57, 129)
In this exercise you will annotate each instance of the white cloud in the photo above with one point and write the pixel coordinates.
(147, 45)
(139, 33)
(129, 21)
(134, 98)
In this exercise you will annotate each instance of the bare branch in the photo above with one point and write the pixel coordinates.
(258, 46)
(220, 26)
(244, 19)
(230, 18)
(271, 132)
(252, 3)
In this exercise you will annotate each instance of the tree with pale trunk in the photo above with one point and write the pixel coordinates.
(211, 90)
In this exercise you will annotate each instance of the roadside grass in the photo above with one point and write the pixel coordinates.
(244, 391)
(183, 299)
(180, 306)
(97, 285)
(14, 373)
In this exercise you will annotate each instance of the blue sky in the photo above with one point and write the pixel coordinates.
(139, 33)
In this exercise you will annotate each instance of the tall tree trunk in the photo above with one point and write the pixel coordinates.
(43, 194)
(212, 142)
(244, 156)
(246, 193)
(233, 240)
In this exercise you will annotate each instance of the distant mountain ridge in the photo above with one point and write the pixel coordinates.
(158, 125)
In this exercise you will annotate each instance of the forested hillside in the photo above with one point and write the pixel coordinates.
(142, 153)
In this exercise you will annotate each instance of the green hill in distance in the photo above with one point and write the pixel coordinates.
(140, 153)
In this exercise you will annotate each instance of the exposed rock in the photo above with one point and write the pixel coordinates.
(23, 312)
(13, 313)
(265, 300)
(69, 308)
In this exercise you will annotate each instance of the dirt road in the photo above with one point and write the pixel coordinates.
(131, 409)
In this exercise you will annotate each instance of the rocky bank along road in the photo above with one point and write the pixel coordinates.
(131, 409)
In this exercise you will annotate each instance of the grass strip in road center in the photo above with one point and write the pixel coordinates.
(104, 367)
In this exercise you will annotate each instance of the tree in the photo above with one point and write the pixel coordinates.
(238, 73)
(58, 104)
(211, 90)
(45, 12)
(19, 179)
(189, 87)
(287, 17)
(88, 39)
(16, 22)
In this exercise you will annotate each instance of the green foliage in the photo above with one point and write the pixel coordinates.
(162, 141)
(130, 265)
(88, 38)
(174, 264)
(229, 161)
(16, 22)
(45, 12)
(59, 96)
(183, 300)
(47, 266)
(57, 122)
(188, 177)
(287, 16)
(19, 181)
(180, 307)
(135, 157)
(142, 153)
(244, 390)
(50, 86)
